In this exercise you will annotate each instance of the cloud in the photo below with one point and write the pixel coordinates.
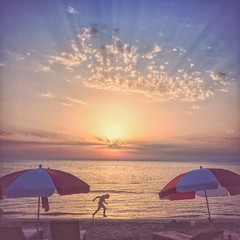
(121, 66)
(195, 107)
(72, 10)
(16, 56)
(150, 53)
(35, 136)
(229, 140)
(42, 68)
(66, 104)
(42, 137)
(70, 60)
(48, 145)
(2, 65)
(47, 95)
(217, 76)
(116, 143)
(223, 90)
(75, 100)
(230, 131)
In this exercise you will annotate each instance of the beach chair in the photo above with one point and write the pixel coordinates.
(231, 235)
(66, 230)
(172, 235)
(17, 233)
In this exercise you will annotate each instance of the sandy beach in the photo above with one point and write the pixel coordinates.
(113, 229)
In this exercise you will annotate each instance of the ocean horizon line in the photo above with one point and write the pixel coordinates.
(128, 160)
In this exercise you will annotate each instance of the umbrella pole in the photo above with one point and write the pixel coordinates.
(38, 214)
(209, 215)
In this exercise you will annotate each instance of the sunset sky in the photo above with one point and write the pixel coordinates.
(120, 79)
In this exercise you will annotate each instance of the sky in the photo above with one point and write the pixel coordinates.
(111, 79)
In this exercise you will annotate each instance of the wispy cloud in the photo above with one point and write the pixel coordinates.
(115, 143)
(2, 65)
(42, 137)
(75, 100)
(230, 131)
(66, 104)
(121, 66)
(228, 140)
(15, 56)
(47, 95)
(35, 136)
(70, 60)
(59, 145)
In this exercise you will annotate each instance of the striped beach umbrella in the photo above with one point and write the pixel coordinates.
(41, 183)
(203, 182)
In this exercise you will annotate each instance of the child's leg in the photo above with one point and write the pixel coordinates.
(104, 211)
(96, 210)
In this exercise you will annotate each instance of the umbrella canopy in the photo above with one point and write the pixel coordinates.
(41, 182)
(203, 182)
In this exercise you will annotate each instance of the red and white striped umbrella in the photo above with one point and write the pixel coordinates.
(203, 182)
(41, 183)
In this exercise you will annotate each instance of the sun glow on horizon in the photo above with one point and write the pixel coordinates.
(116, 122)
(114, 132)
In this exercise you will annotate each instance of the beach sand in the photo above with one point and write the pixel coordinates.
(112, 229)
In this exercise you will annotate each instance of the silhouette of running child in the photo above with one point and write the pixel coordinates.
(101, 204)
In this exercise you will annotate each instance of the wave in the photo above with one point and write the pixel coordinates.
(62, 214)
(13, 212)
(229, 214)
(116, 191)
(183, 216)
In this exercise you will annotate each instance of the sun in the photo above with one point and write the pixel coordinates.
(113, 135)
(113, 132)
(116, 123)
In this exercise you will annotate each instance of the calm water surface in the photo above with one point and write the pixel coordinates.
(133, 188)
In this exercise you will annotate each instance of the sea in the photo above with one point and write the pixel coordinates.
(133, 187)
